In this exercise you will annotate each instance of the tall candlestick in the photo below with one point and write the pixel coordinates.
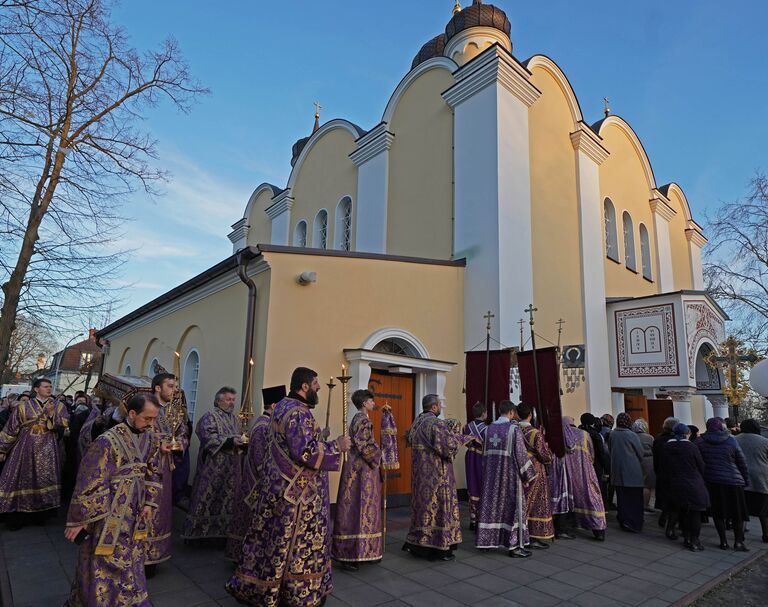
(331, 386)
(344, 379)
(246, 408)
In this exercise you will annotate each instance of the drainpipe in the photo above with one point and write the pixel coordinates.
(250, 321)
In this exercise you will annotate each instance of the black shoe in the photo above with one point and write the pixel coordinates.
(348, 566)
(671, 535)
(539, 545)
(14, 526)
(740, 547)
(696, 546)
(724, 546)
(150, 571)
(599, 535)
(629, 529)
(446, 557)
(565, 536)
(663, 520)
(519, 553)
(765, 539)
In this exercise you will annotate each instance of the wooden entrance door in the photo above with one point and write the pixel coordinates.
(658, 411)
(398, 392)
(636, 405)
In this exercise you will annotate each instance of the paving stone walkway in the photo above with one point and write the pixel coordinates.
(627, 569)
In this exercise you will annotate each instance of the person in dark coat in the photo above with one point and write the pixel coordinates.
(755, 448)
(592, 425)
(726, 474)
(640, 427)
(687, 493)
(627, 473)
(662, 482)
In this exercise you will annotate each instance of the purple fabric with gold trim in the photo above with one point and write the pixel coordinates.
(286, 551)
(31, 477)
(473, 464)
(390, 458)
(540, 522)
(583, 486)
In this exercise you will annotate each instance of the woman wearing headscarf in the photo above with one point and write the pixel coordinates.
(755, 448)
(640, 427)
(687, 497)
(591, 425)
(627, 473)
(726, 474)
(661, 474)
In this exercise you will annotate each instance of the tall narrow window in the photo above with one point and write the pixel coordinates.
(645, 252)
(611, 236)
(343, 232)
(320, 230)
(189, 381)
(153, 368)
(127, 370)
(630, 259)
(300, 234)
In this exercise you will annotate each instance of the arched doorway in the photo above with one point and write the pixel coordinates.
(709, 384)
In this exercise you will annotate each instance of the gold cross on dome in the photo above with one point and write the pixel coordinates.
(318, 107)
(606, 109)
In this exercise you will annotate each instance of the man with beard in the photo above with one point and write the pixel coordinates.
(286, 552)
(116, 491)
(210, 507)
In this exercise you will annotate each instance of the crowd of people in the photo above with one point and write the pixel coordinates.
(263, 496)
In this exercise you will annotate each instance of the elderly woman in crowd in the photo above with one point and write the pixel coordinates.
(755, 448)
(726, 474)
(687, 497)
(627, 473)
(640, 427)
(662, 482)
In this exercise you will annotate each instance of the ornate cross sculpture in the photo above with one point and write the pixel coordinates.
(606, 109)
(732, 358)
(318, 107)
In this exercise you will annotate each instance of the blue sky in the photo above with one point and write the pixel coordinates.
(689, 76)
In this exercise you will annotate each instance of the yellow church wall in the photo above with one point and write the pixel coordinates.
(353, 298)
(555, 221)
(623, 180)
(324, 178)
(681, 263)
(261, 224)
(420, 210)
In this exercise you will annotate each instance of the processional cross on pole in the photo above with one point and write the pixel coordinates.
(488, 318)
(530, 310)
(732, 359)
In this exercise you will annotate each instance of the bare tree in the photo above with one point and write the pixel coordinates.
(72, 97)
(736, 262)
(31, 343)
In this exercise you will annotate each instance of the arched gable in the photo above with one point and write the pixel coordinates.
(543, 62)
(265, 189)
(442, 63)
(673, 191)
(623, 126)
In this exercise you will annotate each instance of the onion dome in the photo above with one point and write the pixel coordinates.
(478, 15)
(433, 48)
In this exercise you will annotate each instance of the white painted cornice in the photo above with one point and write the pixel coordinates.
(283, 203)
(696, 237)
(493, 66)
(395, 360)
(662, 208)
(239, 231)
(585, 140)
(377, 140)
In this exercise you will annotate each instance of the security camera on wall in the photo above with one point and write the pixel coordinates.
(306, 278)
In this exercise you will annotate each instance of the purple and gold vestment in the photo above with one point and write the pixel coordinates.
(581, 479)
(540, 523)
(502, 515)
(473, 463)
(435, 520)
(246, 477)
(286, 551)
(30, 480)
(116, 479)
(210, 507)
(357, 528)
(159, 529)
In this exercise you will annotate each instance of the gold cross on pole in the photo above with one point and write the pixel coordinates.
(488, 317)
(521, 322)
(530, 310)
(559, 324)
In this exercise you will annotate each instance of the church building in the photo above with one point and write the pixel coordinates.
(483, 187)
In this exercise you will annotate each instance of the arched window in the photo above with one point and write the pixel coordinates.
(153, 368)
(645, 252)
(300, 234)
(630, 260)
(320, 230)
(343, 231)
(127, 370)
(611, 236)
(189, 381)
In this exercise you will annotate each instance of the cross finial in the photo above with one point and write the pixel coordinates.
(560, 324)
(318, 107)
(530, 310)
(457, 7)
(606, 109)
(488, 318)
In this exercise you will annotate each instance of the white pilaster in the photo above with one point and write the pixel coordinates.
(617, 403)
(239, 234)
(435, 384)
(280, 214)
(696, 242)
(492, 191)
(662, 215)
(372, 160)
(719, 405)
(590, 154)
(360, 370)
(681, 404)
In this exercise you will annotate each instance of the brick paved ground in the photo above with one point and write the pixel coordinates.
(627, 569)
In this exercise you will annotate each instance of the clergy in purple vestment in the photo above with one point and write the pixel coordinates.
(435, 525)
(30, 482)
(539, 506)
(210, 508)
(502, 517)
(159, 529)
(357, 526)
(583, 489)
(473, 460)
(248, 472)
(286, 554)
(116, 491)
